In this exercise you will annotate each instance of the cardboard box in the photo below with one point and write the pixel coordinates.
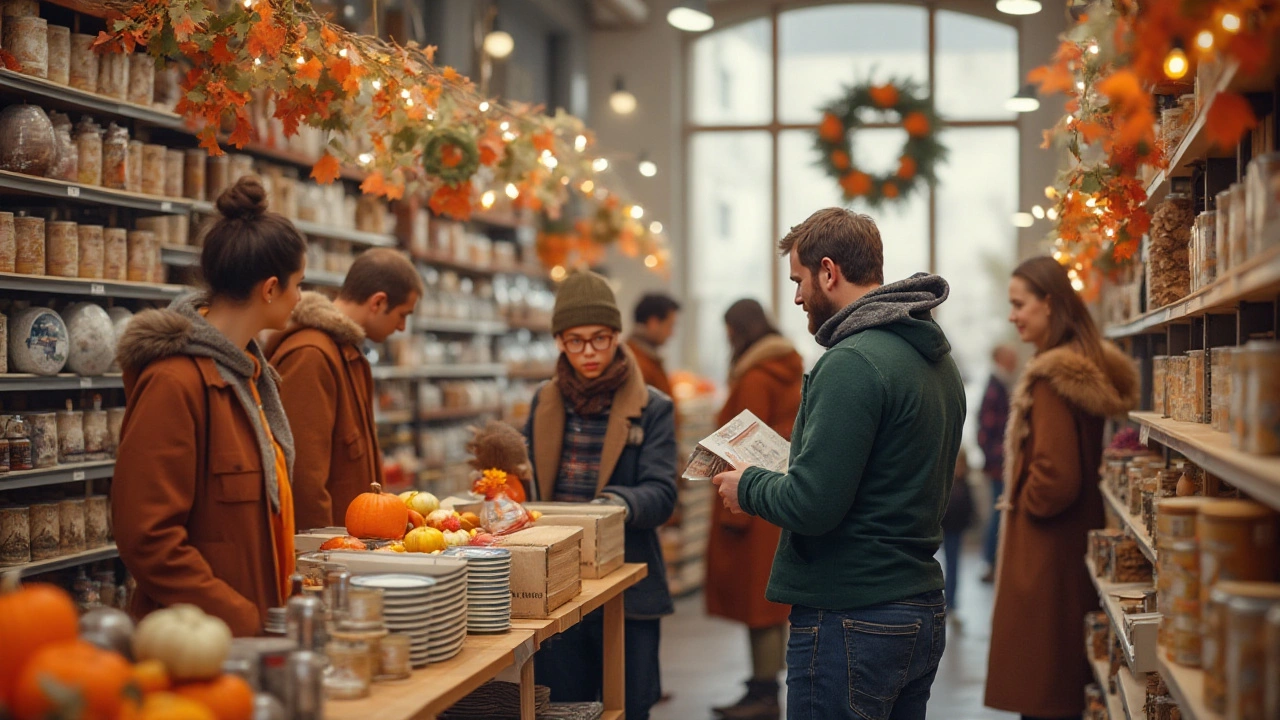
(545, 569)
(603, 533)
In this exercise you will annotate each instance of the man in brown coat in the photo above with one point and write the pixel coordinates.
(327, 384)
(655, 317)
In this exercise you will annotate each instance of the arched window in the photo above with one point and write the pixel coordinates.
(756, 89)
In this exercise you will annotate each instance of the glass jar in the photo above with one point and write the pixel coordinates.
(1264, 202)
(88, 152)
(67, 166)
(1238, 234)
(1262, 404)
(19, 436)
(1208, 248)
(1222, 230)
(115, 158)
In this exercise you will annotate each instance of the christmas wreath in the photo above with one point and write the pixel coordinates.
(918, 160)
(451, 154)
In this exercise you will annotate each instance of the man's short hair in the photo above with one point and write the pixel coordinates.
(850, 239)
(655, 305)
(382, 270)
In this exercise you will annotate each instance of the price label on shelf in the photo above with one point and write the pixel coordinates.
(1144, 434)
(73, 191)
(97, 289)
(166, 207)
(77, 476)
(86, 383)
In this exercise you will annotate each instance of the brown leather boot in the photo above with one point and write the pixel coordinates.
(759, 703)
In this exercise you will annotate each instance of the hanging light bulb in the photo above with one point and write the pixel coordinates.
(588, 187)
(637, 212)
(1018, 7)
(691, 16)
(484, 106)
(600, 164)
(513, 192)
(1094, 49)
(499, 44)
(1023, 220)
(1024, 102)
(1175, 64)
(365, 158)
(1230, 22)
(342, 52)
(647, 167)
(504, 126)
(1051, 213)
(488, 199)
(1204, 40)
(1037, 211)
(1077, 284)
(580, 143)
(622, 101)
(655, 227)
(651, 261)
(558, 273)
(1091, 202)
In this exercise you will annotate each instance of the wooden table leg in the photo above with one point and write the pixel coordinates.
(615, 663)
(528, 704)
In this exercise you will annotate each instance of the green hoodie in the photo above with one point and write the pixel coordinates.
(872, 457)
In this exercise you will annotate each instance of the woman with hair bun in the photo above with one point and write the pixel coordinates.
(201, 498)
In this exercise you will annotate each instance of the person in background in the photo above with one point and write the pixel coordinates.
(765, 377)
(597, 433)
(1053, 447)
(873, 452)
(992, 418)
(327, 384)
(956, 520)
(201, 500)
(655, 317)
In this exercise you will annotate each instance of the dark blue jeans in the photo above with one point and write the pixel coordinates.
(874, 663)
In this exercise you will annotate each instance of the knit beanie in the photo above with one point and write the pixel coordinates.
(585, 298)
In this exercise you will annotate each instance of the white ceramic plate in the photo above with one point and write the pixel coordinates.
(394, 583)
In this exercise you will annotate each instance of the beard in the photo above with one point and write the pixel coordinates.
(820, 308)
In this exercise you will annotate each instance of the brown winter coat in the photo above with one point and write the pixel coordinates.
(1053, 446)
(192, 497)
(766, 380)
(651, 367)
(327, 389)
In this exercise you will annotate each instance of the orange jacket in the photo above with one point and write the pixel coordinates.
(651, 367)
(327, 389)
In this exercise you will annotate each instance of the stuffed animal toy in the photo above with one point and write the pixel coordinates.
(498, 446)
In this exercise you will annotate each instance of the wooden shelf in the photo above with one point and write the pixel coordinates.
(1186, 685)
(1256, 475)
(531, 326)
(22, 382)
(61, 97)
(460, 327)
(317, 230)
(81, 286)
(1133, 694)
(62, 474)
(462, 266)
(545, 373)
(422, 372)
(1256, 279)
(92, 195)
(105, 552)
(180, 255)
(458, 413)
(393, 417)
(1134, 525)
(1137, 656)
(1101, 668)
(1195, 144)
(324, 278)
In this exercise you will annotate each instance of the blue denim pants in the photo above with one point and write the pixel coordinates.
(873, 663)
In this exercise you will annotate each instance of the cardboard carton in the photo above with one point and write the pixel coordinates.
(545, 569)
(603, 528)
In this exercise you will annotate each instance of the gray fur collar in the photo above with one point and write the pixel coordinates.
(181, 330)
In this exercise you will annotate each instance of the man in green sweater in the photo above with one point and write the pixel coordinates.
(872, 456)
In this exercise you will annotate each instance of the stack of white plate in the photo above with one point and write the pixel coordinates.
(488, 588)
(407, 605)
(448, 612)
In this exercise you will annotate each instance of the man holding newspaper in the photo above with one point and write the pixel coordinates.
(861, 500)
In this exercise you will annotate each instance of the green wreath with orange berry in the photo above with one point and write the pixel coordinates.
(901, 102)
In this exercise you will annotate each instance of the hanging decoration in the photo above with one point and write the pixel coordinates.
(1111, 65)
(904, 102)
(411, 127)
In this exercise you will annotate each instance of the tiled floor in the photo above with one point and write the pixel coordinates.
(705, 660)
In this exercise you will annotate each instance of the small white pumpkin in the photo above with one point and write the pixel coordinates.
(191, 644)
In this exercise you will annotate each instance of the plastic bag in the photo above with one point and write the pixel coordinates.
(501, 515)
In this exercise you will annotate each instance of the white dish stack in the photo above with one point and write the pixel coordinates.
(406, 609)
(448, 614)
(488, 588)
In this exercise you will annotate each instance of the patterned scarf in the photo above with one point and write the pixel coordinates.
(591, 397)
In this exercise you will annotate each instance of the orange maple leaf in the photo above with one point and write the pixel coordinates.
(209, 141)
(183, 28)
(243, 132)
(452, 201)
(326, 169)
(1125, 250)
(1090, 132)
(351, 84)
(1230, 117)
(266, 39)
(327, 35)
(376, 184)
(544, 141)
(220, 53)
(1052, 79)
(309, 71)
(450, 75)
(491, 148)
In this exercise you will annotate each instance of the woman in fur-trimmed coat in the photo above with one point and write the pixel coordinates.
(1053, 446)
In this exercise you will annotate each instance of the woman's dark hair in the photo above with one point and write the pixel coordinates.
(1069, 319)
(747, 325)
(249, 244)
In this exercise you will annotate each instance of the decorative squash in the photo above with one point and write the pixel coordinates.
(423, 502)
(346, 542)
(70, 676)
(228, 696)
(191, 644)
(167, 706)
(376, 514)
(150, 676)
(30, 618)
(424, 540)
(470, 521)
(415, 519)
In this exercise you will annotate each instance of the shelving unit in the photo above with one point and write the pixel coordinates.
(106, 552)
(1257, 475)
(537, 327)
(60, 475)
(21, 382)
(98, 288)
(322, 278)
(439, 372)
(542, 373)
(1134, 525)
(460, 327)
(92, 195)
(1132, 694)
(1186, 685)
(1195, 144)
(1101, 668)
(1140, 653)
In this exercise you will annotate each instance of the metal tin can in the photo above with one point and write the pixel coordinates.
(1237, 542)
(1176, 519)
(15, 535)
(1272, 680)
(1262, 402)
(1246, 654)
(71, 518)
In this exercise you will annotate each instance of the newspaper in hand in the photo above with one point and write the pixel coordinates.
(745, 441)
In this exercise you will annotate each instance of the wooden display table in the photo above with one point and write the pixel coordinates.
(433, 689)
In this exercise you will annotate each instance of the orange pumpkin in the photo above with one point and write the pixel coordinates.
(376, 514)
(75, 672)
(167, 706)
(345, 542)
(228, 696)
(150, 676)
(30, 618)
(416, 519)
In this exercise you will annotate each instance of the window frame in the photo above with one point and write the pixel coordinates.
(753, 10)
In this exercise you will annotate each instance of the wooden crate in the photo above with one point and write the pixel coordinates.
(603, 528)
(545, 569)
